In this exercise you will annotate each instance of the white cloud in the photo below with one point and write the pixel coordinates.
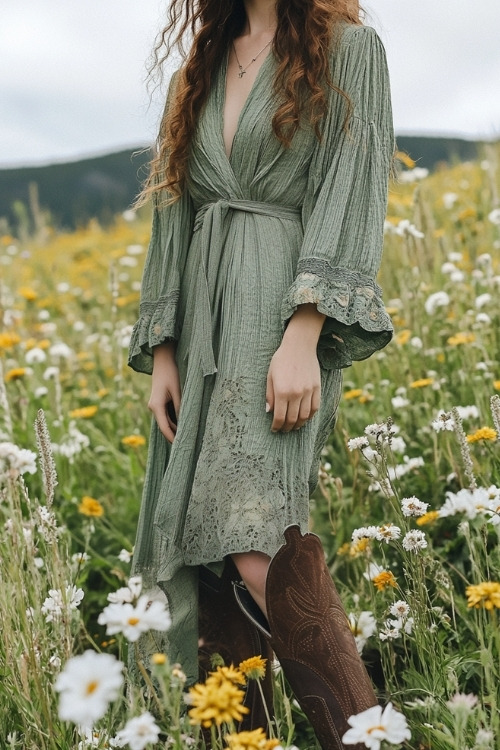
(72, 79)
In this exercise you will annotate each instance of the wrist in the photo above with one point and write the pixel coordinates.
(165, 350)
(305, 325)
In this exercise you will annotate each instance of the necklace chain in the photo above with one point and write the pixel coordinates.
(240, 66)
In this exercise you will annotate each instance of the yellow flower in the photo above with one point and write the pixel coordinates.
(216, 702)
(353, 393)
(429, 517)
(8, 339)
(15, 374)
(403, 337)
(345, 549)
(405, 158)
(461, 338)
(358, 547)
(486, 595)
(134, 441)
(467, 213)
(496, 385)
(89, 506)
(227, 673)
(102, 392)
(392, 310)
(421, 383)
(384, 579)
(365, 398)
(254, 740)
(28, 293)
(254, 668)
(483, 433)
(85, 412)
(158, 659)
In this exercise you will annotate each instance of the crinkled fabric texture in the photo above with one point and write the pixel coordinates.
(254, 236)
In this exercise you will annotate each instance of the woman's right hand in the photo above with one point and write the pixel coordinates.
(165, 389)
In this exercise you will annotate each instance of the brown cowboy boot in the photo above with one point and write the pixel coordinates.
(311, 637)
(225, 630)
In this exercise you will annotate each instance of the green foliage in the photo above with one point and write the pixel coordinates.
(81, 290)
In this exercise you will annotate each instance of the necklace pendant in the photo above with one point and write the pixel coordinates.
(241, 73)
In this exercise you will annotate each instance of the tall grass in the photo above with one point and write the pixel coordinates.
(67, 308)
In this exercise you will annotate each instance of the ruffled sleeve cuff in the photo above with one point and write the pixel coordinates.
(156, 324)
(357, 324)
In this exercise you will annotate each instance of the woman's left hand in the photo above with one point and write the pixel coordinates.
(293, 385)
(293, 390)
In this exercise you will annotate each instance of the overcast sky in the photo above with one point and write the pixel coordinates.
(72, 74)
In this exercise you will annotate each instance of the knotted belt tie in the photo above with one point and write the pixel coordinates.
(210, 219)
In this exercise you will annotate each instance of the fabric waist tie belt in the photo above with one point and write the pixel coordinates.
(210, 219)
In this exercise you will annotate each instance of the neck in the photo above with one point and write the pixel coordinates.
(261, 16)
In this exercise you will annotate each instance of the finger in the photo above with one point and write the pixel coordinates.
(292, 414)
(269, 392)
(315, 401)
(172, 424)
(279, 413)
(161, 418)
(176, 398)
(305, 412)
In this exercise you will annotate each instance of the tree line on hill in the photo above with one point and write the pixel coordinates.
(70, 194)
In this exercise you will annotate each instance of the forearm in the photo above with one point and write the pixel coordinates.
(304, 327)
(165, 350)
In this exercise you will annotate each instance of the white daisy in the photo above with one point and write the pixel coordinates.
(362, 628)
(87, 684)
(357, 442)
(414, 541)
(412, 506)
(125, 556)
(374, 725)
(132, 621)
(365, 532)
(470, 502)
(462, 702)
(138, 732)
(438, 299)
(443, 421)
(400, 609)
(373, 571)
(128, 593)
(57, 603)
(494, 216)
(388, 532)
(35, 356)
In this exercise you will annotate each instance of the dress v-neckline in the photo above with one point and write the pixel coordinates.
(223, 79)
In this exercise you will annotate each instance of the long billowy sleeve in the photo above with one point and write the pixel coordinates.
(170, 237)
(345, 207)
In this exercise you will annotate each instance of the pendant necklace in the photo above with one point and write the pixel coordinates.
(240, 66)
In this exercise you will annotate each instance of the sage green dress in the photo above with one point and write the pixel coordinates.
(253, 237)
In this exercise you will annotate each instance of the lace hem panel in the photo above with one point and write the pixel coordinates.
(156, 324)
(357, 323)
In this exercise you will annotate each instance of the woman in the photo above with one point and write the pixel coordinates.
(269, 190)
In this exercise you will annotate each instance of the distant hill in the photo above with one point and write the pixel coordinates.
(431, 152)
(74, 192)
(100, 187)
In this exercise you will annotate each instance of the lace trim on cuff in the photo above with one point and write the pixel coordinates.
(357, 323)
(157, 323)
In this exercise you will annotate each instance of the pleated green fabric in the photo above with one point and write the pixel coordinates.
(253, 237)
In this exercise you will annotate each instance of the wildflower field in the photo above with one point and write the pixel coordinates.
(407, 506)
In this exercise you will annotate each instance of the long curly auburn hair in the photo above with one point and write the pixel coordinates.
(304, 37)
